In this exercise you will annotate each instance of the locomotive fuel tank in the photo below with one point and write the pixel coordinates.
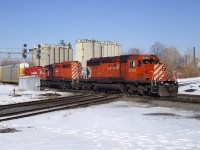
(108, 87)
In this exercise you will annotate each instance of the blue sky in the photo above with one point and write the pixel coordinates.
(132, 23)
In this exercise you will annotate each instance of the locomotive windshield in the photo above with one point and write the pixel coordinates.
(150, 61)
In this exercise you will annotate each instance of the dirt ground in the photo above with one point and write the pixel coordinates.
(169, 104)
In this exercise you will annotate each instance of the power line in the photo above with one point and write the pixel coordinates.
(13, 55)
(10, 48)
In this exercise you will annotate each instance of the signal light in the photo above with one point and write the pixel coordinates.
(24, 55)
(38, 56)
(38, 51)
(24, 51)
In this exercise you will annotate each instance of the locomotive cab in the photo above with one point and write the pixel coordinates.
(163, 82)
(151, 76)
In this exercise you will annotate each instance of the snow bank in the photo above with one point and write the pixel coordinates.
(7, 91)
(189, 83)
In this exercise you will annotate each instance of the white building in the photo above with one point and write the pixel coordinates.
(198, 65)
(86, 49)
(51, 54)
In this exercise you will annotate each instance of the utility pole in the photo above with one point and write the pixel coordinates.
(194, 56)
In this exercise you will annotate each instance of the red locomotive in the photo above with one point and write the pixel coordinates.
(35, 71)
(62, 75)
(141, 73)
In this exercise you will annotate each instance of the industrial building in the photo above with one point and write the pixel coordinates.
(50, 54)
(86, 49)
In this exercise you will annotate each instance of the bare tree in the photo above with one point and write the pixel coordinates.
(189, 56)
(30, 62)
(171, 57)
(133, 51)
(180, 61)
(190, 69)
(158, 49)
(6, 62)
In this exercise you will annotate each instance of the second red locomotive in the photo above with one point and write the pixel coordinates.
(63, 75)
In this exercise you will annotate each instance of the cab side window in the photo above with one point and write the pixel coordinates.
(139, 63)
(132, 64)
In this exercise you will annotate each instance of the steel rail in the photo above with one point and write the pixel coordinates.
(46, 104)
(79, 103)
(7, 106)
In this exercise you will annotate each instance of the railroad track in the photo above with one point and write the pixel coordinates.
(20, 110)
(182, 98)
(187, 98)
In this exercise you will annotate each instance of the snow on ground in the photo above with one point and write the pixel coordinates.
(118, 126)
(7, 91)
(121, 125)
(189, 83)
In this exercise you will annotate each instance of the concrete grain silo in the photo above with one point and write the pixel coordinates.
(86, 49)
(51, 54)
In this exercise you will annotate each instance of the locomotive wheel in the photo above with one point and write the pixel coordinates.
(68, 86)
(130, 91)
(95, 89)
(46, 84)
(41, 83)
(140, 90)
(88, 87)
(62, 85)
(83, 86)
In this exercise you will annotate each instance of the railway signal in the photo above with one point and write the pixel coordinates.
(39, 54)
(24, 51)
(39, 51)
